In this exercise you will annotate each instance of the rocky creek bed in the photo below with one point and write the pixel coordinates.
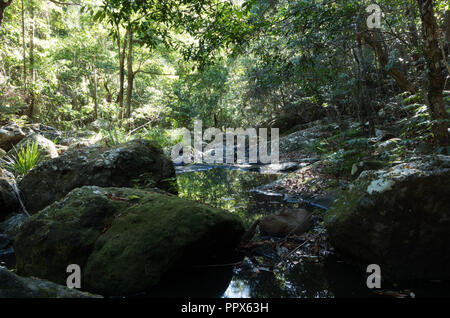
(140, 227)
(304, 266)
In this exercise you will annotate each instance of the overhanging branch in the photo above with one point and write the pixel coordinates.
(64, 3)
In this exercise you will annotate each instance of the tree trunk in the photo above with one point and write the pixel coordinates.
(108, 92)
(3, 6)
(130, 75)
(436, 79)
(24, 50)
(412, 29)
(30, 109)
(216, 120)
(447, 30)
(74, 88)
(364, 98)
(373, 38)
(95, 94)
(121, 73)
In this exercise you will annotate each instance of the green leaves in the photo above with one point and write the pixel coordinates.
(24, 159)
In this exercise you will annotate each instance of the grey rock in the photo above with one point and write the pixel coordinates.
(135, 163)
(8, 199)
(398, 218)
(47, 147)
(10, 135)
(10, 227)
(14, 286)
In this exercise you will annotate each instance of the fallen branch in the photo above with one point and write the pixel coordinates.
(136, 129)
(296, 249)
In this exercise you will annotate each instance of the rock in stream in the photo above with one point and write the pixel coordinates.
(135, 163)
(398, 218)
(125, 240)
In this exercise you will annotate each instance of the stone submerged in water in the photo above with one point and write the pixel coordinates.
(14, 286)
(398, 218)
(286, 222)
(135, 163)
(124, 240)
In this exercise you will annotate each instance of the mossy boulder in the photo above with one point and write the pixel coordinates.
(8, 199)
(125, 240)
(14, 286)
(135, 163)
(46, 147)
(398, 218)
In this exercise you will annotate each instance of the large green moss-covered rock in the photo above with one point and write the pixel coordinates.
(124, 239)
(137, 162)
(398, 218)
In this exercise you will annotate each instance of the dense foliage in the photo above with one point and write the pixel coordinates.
(239, 63)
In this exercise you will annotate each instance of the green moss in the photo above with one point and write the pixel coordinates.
(345, 205)
(123, 245)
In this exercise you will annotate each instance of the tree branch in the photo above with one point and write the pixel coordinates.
(64, 3)
(374, 40)
(153, 73)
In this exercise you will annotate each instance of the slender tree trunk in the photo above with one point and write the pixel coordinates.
(24, 49)
(130, 74)
(436, 79)
(413, 35)
(108, 92)
(447, 30)
(30, 109)
(121, 73)
(216, 120)
(3, 6)
(364, 98)
(95, 94)
(412, 29)
(75, 86)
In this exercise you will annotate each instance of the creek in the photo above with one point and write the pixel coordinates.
(238, 190)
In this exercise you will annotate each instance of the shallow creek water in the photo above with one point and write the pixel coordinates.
(233, 189)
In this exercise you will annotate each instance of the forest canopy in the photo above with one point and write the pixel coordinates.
(98, 99)
(230, 63)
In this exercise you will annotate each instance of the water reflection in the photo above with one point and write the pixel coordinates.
(229, 190)
(208, 282)
(301, 280)
(232, 190)
(311, 278)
